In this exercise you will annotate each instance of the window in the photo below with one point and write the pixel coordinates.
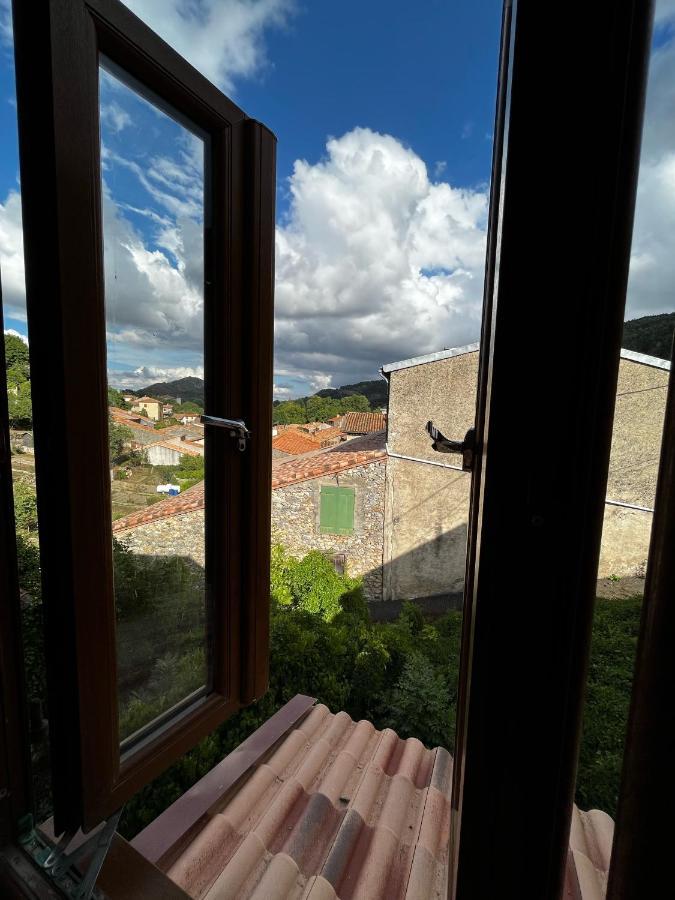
(206, 612)
(337, 510)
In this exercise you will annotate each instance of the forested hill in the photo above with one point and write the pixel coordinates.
(360, 397)
(188, 389)
(375, 392)
(652, 335)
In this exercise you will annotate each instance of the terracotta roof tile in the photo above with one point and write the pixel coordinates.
(341, 811)
(364, 423)
(338, 810)
(188, 501)
(350, 455)
(294, 442)
(186, 447)
(129, 418)
(338, 459)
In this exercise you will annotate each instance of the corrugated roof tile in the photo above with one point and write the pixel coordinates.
(341, 811)
(350, 455)
(295, 442)
(364, 423)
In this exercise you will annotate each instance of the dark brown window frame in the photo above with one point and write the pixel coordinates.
(58, 46)
(567, 145)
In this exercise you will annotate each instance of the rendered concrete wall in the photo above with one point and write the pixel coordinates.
(163, 456)
(427, 502)
(427, 507)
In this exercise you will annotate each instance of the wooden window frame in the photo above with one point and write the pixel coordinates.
(58, 45)
(565, 165)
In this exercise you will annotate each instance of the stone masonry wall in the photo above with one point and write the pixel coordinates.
(295, 522)
(175, 536)
(295, 525)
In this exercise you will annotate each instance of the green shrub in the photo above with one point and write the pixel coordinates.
(610, 675)
(25, 507)
(312, 584)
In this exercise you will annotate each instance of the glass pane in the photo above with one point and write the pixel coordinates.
(639, 412)
(153, 220)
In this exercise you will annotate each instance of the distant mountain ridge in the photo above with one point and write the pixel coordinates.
(652, 335)
(192, 389)
(188, 389)
(376, 392)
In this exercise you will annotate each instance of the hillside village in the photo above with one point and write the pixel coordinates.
(360, 484)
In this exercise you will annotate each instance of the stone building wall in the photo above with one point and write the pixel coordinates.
(427, 506)
(295, 522)
(181, 535)
(295, 525)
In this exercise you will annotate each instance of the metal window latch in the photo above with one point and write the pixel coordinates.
(467, 447)
(65, 869)
(237, 427)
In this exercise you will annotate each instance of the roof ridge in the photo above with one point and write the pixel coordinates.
(305, 469)
(632, 355)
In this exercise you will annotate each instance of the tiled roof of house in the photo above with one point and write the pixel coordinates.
(186, 447)
(342, 811)
(364, 423)
(328, 434)
(338, 459)
(294, 442)
(189, 501)
(148, 400)
(339, 810)
(590, 850)
(631, 355)
(126, 416)
(132, 420)
(357, 452)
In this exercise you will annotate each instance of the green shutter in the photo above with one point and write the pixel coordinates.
(337, 510)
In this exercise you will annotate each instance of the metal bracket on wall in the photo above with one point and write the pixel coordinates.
(467, 447)
(64, 868)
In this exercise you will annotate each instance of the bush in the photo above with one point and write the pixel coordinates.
(610, 676)
(25, 507)
(400, 674)
(312, 584)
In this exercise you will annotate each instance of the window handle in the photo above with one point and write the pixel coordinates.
(237, 428)
(467, 447)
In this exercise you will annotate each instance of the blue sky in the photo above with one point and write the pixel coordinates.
(384, 116)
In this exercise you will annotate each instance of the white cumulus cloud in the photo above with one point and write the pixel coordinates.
(11, 257)
(651, 283)
(224, 39)
(375, 262)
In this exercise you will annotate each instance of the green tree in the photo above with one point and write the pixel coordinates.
(290, 412)
(187, 407)
(115, 398)
(321, 409)
(354, 403)
(16, 356)
(20, 405)
(119, 436)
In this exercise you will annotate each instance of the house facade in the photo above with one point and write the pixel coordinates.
(153, 408)
(170, 452)
(332, 501)
(427, 494)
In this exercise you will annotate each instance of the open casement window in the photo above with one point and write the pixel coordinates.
(69, 53)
